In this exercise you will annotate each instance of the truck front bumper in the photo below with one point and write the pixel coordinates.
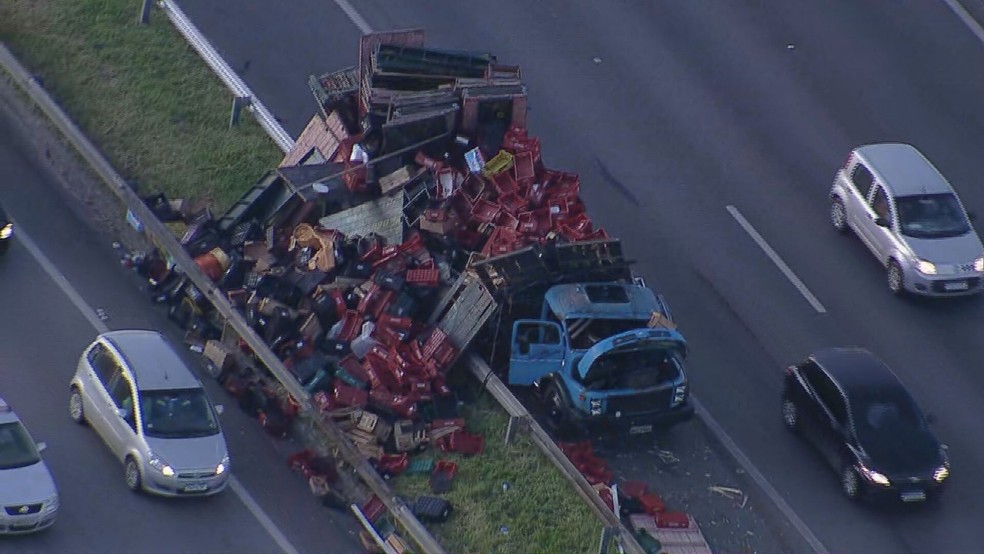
(639, 423)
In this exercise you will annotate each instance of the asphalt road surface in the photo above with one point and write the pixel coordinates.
(43, 331)
(672, 112)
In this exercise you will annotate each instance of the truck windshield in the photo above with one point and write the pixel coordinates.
(584, 333)
(632, 369)
(175, 414)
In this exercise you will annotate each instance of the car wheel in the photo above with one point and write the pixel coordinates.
(894, 275)
(838, 215)
(75, 409)
(131, 472)
(851, 482)
(790, 415)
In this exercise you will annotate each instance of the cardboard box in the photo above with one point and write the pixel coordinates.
(220, 354)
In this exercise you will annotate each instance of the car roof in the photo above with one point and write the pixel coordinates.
(602, 300)
(856, 368)
(903, 169)
(154, 363)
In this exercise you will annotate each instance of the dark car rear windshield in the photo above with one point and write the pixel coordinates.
(179, 413)
(932, 216)
(16, 447)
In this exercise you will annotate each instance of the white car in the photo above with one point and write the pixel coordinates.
(27, 491)
(909, 216)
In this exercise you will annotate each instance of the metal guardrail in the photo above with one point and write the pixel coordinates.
(166, 241)
(222, 70)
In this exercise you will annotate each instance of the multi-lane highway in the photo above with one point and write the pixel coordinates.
(694, 126)
(59, 271)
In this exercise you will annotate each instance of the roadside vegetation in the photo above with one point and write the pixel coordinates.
(160, 116)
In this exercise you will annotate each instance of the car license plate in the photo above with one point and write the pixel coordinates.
(197, 487)
(913, 496)
(640, 429)
(956, 285)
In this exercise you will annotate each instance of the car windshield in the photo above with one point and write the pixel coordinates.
(16, 447)
(932, 216)
(182, 413)
(886, 414)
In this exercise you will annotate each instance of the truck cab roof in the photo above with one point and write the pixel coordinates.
(603, 300)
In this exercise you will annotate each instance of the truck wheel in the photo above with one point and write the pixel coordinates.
(557, 409)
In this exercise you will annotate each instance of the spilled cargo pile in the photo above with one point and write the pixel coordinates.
(346, 257)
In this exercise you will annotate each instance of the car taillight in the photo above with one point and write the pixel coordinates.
(789, 370)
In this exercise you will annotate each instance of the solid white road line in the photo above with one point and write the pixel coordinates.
(776, 259)
(967, 19)
(90, 314)
(758, 477)
(354, 15)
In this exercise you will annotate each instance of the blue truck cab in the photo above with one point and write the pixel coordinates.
(604, 355)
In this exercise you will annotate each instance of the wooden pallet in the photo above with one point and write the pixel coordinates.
(464, 310)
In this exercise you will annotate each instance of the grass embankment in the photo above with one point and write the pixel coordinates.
(161, 117)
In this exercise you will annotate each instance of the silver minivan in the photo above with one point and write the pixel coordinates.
(908, 215)
(152, 412)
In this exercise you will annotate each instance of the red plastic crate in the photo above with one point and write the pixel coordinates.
(373, 508)
(524, 170)
(634, 489)
(484, 211)
(424, 277)
(345, 395)
(446, 467)
(652, 503)
(514, 203)
(394, 464)
(351, 324)
(505, 183)
(672, 520)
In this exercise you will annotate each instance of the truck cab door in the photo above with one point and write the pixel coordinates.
(537, 349)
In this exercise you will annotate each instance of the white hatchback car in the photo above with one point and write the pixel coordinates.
(152, 411)
(909, 216)
(28, 496)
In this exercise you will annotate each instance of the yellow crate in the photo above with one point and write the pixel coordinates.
(501, 162)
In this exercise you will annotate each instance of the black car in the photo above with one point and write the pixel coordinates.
(862, 420)
(6, 231)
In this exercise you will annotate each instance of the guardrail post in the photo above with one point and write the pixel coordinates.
(145, 12)
(238, 103)
(606, 540)
(514, 422)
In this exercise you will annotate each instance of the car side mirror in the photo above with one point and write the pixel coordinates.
(931, 418)
(219, 408)
(881, 222)
(41, 446)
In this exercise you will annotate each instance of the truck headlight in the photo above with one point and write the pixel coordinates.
(926, 268)
(679, 394)
(941, 473)
(595, 405)
(223, 465)
(160, 465)
(6, 231)
(979, 264)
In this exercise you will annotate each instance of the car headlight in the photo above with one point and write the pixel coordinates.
(874, 476)
(51, 504)
(160, 465)
(926, 268)
(6, 231)
(941, 473)
(223, 466)
(979, 264)
(679, 394)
